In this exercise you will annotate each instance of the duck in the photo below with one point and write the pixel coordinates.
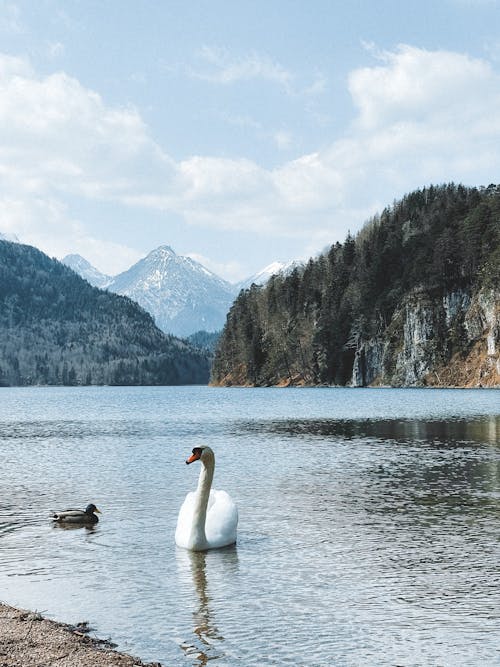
(88, 515)
(208, 518)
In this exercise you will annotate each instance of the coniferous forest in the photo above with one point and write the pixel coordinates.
(411, 276)
(415, 292)
(56, 329)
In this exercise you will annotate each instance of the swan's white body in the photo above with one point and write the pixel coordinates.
(208, 518)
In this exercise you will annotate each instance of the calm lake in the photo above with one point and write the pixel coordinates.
(368, 534)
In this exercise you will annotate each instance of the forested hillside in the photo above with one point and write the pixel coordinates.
(55, 328)
(205, 340)
(413, 299)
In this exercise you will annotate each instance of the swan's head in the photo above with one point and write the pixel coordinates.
(203, 454)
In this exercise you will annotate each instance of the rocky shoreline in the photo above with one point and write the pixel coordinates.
(27, 639)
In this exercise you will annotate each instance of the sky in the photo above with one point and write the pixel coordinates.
(238, 132)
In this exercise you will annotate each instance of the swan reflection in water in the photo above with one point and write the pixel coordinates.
(196, 570)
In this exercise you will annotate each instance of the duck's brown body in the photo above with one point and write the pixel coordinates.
(78, 516)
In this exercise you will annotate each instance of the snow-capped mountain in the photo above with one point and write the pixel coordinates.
(181, 294)
(9, 237)
(85, 269)
(261, 277)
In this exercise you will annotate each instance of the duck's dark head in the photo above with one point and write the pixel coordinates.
(90, 509)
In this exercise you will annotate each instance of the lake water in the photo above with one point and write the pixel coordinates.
(368, 535)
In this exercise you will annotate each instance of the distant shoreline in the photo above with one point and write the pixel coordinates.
(27, 639)
(220, 385)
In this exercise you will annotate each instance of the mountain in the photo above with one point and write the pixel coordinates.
(182, 295)
(9, 237)
(204, 340)
(55, 328)
(262, 276)
(412, 300)
(87, 271)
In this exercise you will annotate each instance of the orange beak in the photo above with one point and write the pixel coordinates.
(194, 457)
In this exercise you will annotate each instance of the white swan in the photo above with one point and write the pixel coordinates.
(207, 518)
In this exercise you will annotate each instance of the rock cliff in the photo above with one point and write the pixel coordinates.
(412, 300)
(452, 341)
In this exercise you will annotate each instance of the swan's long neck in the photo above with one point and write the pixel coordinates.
(198, 538)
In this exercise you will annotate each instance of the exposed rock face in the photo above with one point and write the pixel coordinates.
(455, 341)
(368, 363)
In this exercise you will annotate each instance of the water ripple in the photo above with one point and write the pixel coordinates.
(367, 536)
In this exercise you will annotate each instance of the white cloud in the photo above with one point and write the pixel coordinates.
(47, 224)
(428, 116)
(65, 134)
(59, 140)
(412, 84)
(231, 270)
(218, 66)
(420, 117)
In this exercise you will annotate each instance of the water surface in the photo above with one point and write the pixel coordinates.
(368, 535)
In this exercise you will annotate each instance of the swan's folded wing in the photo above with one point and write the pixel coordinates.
(185, 520)
(222, 519)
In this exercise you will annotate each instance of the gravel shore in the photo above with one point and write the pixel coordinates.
(29, 640)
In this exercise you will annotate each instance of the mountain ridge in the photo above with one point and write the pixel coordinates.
(55, 328)
(182, 295)
(261, 277)
(412, 300)
(85, 269)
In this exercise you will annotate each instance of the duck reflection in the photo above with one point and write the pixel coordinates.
(74, 526)
(192, 566)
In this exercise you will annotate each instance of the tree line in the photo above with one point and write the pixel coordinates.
(56, 329)
(305, 327)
